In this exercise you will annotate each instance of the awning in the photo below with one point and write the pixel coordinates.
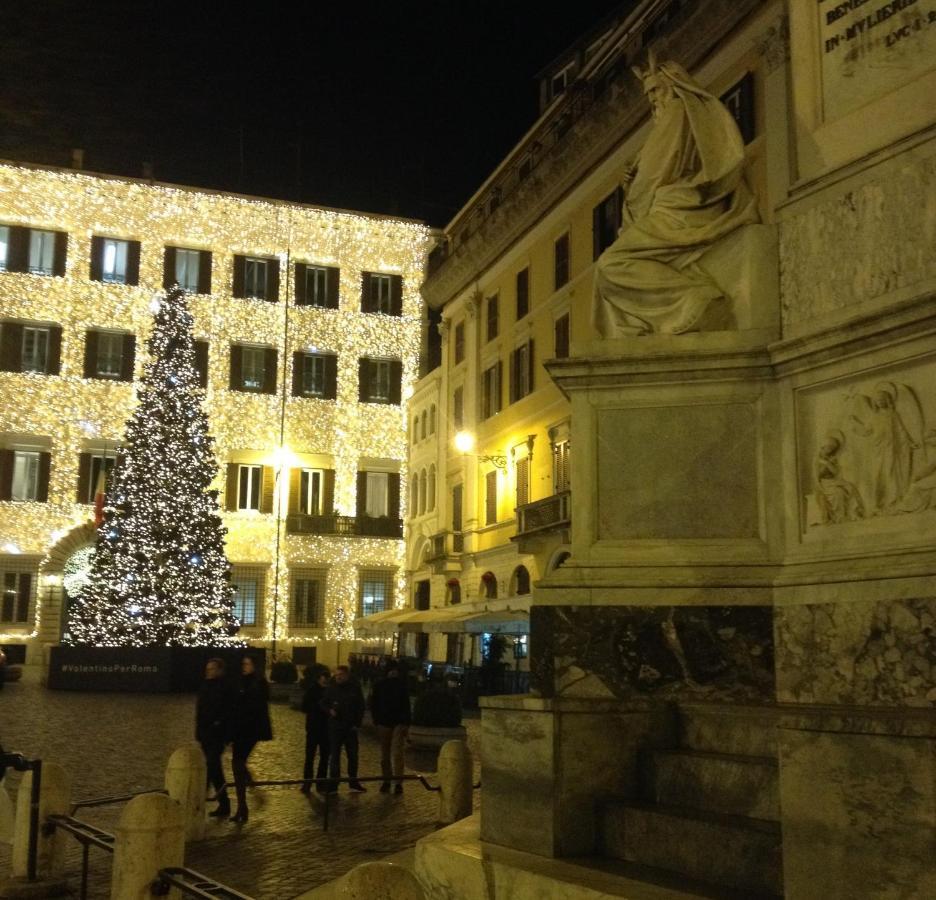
(504, 621)
(386, 622)
(447, 620)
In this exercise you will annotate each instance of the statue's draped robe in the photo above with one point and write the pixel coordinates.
(688, 191)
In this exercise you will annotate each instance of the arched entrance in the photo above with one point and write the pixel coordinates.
(63, 572)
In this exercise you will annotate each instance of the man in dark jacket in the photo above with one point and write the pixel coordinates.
(212, 721)
(344, 704)
(316, 728)
(390, 710)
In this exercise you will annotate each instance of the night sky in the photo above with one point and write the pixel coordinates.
(396, 107)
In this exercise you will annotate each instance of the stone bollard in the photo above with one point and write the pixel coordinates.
(150, 836)
(186, 775)
(455, 780)
(54, 800)
(379, 881)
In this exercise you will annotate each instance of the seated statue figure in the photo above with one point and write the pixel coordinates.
(684, 192)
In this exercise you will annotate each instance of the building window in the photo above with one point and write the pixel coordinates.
(311, 491)
(30, 348)
(523, 481)
(381, 293)
(308, 598)
(561, 350)
(376, 591)
(114, 265)
(562, 261)
(249, 484)
(521, 371)
(377, 502)
(255, 278)
(431, 489)
(606, 221)
(424, 426)
(379, 380)
(190, 269)
(739, 99)
(432, 418)
(248, 584)
(560, 466)
(253, 369)
(187, 269)
(457, 496)
(521, 581)
(17, 594)
(491, 307)
(41, 252)
(489, 586)
(422, 491)
(491, 391)
(25, 475)
(315, 375)
(458, 408)
(317, 286)
(109, 355)
(4, 247)
(459, 342)
(90, 467)
(490, 498)
(35, 349)
(560, 81)
(523, 293)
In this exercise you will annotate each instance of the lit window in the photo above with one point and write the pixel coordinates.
(253, 368)
(17, 590)
(492, 310)
(560, 466)
(98, 462)
(4, 246)
(246, 599)
(313, 375)
(35, 349)
(376, 591)
(114, 262)
(25, 475)
(459, 342)
(561, 272)
(310, 492)
(249, 480)
(307, 601)
(316, 286)
(41, 252)
(187, 267)
(382, 294)
(109, 354)
(491, 391)
(378, 495)
(255, 278)
(380, 381)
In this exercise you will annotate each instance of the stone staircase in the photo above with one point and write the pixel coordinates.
(709, 808)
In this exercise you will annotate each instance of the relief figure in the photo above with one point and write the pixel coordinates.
(838, 500)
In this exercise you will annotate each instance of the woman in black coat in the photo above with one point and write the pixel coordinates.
(250, 722)
(316, 729)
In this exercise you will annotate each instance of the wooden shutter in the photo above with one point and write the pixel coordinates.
(230, 487)
(295, 485)
(6, 474)
(236, 378)
(90, 354)
(396, 381)
(61, 253)
(457, 508)
(562, 337)
(499, 387)
(18, 250)
(333, 280)
(237, 287)
(11, 347)
(169, 267)
(531, 364)
(266, 489)
(513, 375)
(54, 364)
(364, 371)
(84, 477)
(328, 492)
(393, 495)
(273, 280)
(201, 362)
(523, 293)
(133, 262)
(366, 298)
(361, 493)
(24, 591)
(300, 289)
(269, 370)
(331, 377)
(204, 271)
(396, 295)
(298, 364)
(128, 353)
(97, 259)
(523, 481)
(490, 498)
(45, 467)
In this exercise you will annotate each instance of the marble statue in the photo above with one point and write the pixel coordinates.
(684, 192)
(837, 498)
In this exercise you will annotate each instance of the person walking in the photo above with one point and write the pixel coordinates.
(212, 723)
(344, 704)
(390, 711)
(316, 728)
(250, 722)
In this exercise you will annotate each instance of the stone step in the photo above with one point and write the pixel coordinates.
(720, 728)
(729, 851)
(717, 782)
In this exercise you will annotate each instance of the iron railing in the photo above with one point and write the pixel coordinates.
(444, 544)
(345, 526)
(86, 835)
(541, 515)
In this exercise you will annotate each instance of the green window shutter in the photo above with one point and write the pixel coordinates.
(54, 365)
(237, 287)
(169, 267)
(84, 477)
(204, 272)
(61, 253)
(133, 262)
(298, 363)
(266, 489)
(6, 474)
(269, 370)
(331, 377)
(328, 491)
(366, 298)
(532, 365)
(396, 381)
(45, 467)
(361, 504)
(127, 357)
(333, 287)
(97, 259)
(273, 280)
(364, 379)
(295, 485)
(300, 290)
(396, 295)
(201, 362)
(393, 495)
(91, 353)
(236, 377)
(11, 347)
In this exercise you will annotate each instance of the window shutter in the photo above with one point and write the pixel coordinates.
(133, 262)
(328, 491)
(396, 295)
(393, 495)
(361, 493)
(523, 481)
(169, 267)
(91, 353)
(18, 250)
(513, 376)
(266, 489)
(295, 485)
(236, 379)
(45, 466)
(396, 381)
(269, 370)
(24, 592)
(201, 362)
(54, 364)
(237, 287)
(366, 304)
(457, 508)
(84, 477)
(298, 361)
(332, 288)
(6, 474)
(300, 289)
(531, 363)
(61, 253)
(273, 280)
(363, 379)
(127, 358)
(499, 387)
(331, 377)
(204, 272)
(230, 487)
(11, 347)
(97, 259)
(490, 504)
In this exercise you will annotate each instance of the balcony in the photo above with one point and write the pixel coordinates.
(445, 548)
(345, 526)
(543, 516)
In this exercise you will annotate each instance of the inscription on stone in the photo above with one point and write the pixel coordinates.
(869, 48)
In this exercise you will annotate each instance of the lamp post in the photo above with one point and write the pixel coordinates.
(464, 443)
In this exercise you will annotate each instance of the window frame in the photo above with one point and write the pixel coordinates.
(46, 248)
(307, 491)
(109, 338)
(562, 261)
(252, 353)
(492, 316)
(523, 293)
(302, 578)
(249, 486)
(121, 248)
(381, 576)
(31, 461)
(253, 266)
(36, 330)
(192, 258)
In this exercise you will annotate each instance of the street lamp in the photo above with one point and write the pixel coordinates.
(464, 444)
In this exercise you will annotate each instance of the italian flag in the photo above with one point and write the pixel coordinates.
(99, 490)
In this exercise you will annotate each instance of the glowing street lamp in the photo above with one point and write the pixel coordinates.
(464, 444)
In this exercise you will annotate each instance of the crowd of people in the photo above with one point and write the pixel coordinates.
(235, 711)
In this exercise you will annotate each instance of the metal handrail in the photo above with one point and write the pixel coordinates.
(107, 801)
(193, 884)
(88, 836)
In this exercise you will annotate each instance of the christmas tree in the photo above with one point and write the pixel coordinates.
(159, 575)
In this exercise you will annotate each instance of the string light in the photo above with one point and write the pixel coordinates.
(70, 410)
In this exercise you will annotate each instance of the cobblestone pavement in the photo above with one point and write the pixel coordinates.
(119, 743)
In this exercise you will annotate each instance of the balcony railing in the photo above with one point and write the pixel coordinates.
(345, 526)
(541, 515)
(445, 544)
